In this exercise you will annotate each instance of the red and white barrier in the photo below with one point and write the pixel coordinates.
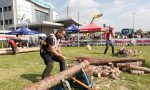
(135, 41)
(7, 37)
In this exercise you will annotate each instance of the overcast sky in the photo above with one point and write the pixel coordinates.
(116, 13)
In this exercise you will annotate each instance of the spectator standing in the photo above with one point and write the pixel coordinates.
(108, 36)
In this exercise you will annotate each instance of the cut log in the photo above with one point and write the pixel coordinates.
(95, 61)
(122, 65)
(133, 67)
(125, 69)
(51, 81)
(115, 73)
(105, 73)
(97, 73)
(102, 62)
(19, 50)
(138, 72)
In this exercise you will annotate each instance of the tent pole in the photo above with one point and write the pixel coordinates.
(78, 38)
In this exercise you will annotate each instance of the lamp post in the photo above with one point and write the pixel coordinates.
(78, 30)
(133, 20)
(68, 8)
(132, 32)
(3, 18)
(67, 12)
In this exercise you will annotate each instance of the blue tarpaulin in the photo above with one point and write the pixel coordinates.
(72, 29)
(23, 31)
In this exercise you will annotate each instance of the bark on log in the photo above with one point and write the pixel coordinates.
(125, 69)
(56, 79)
(133, 67)
(95, 61)
(122, 65)
(138, 72)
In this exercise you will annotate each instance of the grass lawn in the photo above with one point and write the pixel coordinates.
(17, 71)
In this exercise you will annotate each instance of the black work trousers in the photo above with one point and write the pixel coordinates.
(13, 50)
(48, 60)
(109, 42)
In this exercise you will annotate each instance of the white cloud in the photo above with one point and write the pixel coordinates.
(117, 13)
(83, 4)
(86, 9)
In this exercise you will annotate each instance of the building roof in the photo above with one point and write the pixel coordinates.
(41, 24)
(68, 22)
(45, 23)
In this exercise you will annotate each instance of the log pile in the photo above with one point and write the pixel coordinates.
(101, 71)
(127, 52)
(102, 67)
(106, 71)
(133, 68)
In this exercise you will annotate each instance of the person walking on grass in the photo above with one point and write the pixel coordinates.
(50, 51)
(108, 36)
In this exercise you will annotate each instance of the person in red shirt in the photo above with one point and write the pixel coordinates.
(13, 45)
(108, 37)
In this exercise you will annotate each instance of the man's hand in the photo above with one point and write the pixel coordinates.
(62, 57)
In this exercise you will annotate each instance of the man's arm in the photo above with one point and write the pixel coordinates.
(56, 53)
(112, 34)
(51, 48)
(59, 49)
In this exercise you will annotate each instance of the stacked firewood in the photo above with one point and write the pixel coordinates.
(127, 52)
(100, 71)
(134, 67)
(111, 67)
(105, 71)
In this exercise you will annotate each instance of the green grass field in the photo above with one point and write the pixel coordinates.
(17, 71)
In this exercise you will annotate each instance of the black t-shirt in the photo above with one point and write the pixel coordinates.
(48, 41)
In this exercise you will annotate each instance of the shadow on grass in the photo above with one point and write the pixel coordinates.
(32, 77)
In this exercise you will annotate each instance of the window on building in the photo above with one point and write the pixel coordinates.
(5, 9)
(6, 22)
(9, 8)
(10, 21)
(0, 9)
(41, 16)
(1, 22)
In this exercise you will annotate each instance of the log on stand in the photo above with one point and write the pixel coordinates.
(51, 81)
(95, 61)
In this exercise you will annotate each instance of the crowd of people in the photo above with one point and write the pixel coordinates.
(98, 35)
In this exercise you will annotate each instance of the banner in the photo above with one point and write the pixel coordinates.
(7, 37)
(43, 3)
(24, 12)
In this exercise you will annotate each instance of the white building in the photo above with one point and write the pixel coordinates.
(35, 14)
